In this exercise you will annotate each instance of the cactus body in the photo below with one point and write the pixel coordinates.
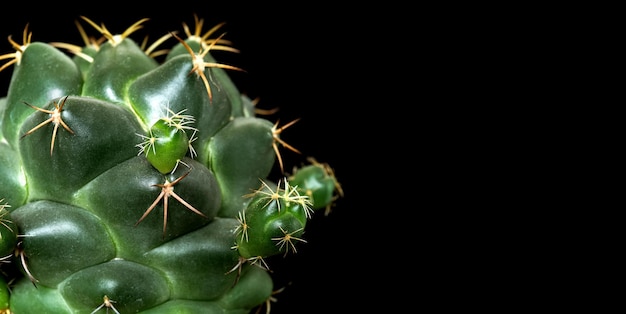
(133, 184)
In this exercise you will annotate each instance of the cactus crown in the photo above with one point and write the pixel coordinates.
(135, 184)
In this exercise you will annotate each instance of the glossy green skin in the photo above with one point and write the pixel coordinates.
(79, 208)
(269, 220)
(8, 234)
(169, 147)
(4, 294)
(317, 183)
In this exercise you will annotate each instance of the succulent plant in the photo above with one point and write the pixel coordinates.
(138, 179)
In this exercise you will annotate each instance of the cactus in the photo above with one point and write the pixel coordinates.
(139, 179)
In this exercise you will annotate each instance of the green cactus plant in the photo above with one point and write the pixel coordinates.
(137, 180)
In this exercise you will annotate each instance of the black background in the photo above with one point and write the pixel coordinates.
(302, 61)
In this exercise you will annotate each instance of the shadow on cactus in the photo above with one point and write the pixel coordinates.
(136, 179)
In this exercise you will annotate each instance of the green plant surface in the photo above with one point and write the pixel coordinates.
(137, 178)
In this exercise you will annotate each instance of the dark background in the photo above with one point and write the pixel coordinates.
(302, 61)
